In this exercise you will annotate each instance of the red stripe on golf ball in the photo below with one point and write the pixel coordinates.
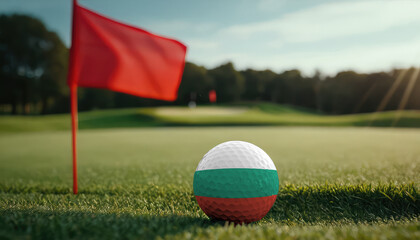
(239, 210)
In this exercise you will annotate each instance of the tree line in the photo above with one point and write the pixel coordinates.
(33, 71)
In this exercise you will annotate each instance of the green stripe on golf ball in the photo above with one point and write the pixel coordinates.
(236, 183)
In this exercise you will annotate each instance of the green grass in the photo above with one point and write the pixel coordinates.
(238, 115)
(136, 183)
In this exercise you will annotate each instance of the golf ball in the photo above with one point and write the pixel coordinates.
(237, 182)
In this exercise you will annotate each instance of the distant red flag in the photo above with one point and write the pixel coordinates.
(112, 55)
(122, 58)
(212, 96)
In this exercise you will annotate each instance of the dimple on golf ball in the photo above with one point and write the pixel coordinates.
(236, 181)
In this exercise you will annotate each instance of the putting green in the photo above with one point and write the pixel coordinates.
(347, 183)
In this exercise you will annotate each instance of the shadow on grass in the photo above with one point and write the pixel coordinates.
(48, 224)
(356, 203)
(120, 120)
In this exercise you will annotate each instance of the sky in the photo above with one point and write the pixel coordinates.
(329, 36)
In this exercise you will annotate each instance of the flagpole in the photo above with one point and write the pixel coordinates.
(74, 120)
(73, 102)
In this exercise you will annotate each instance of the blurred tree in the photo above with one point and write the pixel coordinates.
(195, 80)
(373, 90)
(229, 83)
(342, 93)
(256, 83)
(33, 63)
(291, 88)
(93, 98)
(122, 100)
(414, 96)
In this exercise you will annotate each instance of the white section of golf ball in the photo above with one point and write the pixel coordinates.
(236, 154)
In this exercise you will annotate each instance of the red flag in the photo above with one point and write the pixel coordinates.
(122, 58)
(212, 96)
(108, 54)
